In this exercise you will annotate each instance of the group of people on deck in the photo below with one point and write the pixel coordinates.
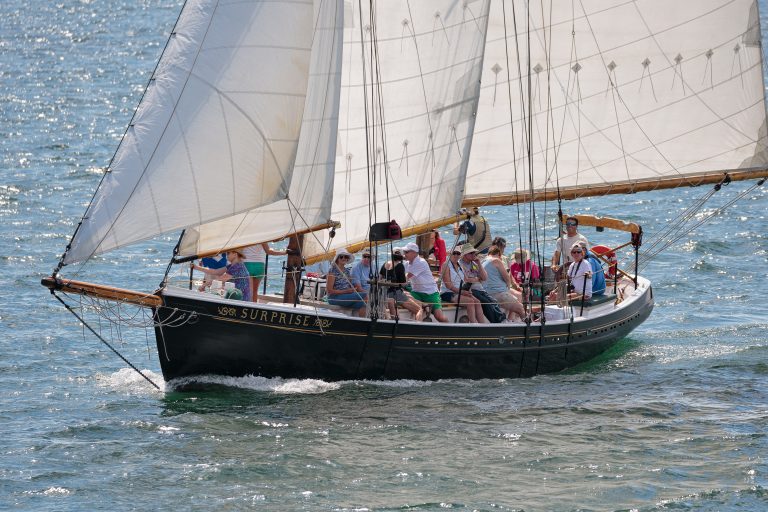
(475, 275)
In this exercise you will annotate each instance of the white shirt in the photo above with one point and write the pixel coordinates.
(577, 273)
(255, 254)
(565, 253)
(422, 280)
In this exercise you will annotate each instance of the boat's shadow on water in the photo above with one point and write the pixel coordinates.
(213, 394)
(611, 359)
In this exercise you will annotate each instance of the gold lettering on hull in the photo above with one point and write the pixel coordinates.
(274, 317)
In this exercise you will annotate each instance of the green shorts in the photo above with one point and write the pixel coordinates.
(255, 269)
(428, 298)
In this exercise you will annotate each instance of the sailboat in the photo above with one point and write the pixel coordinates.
(316, 121)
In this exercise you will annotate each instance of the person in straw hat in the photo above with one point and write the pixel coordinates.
(523, 267)
(343, 289)
(234, 271)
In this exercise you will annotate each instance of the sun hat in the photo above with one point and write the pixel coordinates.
(467, 248)
(523, 254)
(576, 246)
(410, 246)
(238, 251)
(343, 252)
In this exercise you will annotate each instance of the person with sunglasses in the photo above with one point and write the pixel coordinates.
(343, 289)
(562, 256)
(452, 276)
(579, 276)
(393, 273)
(362, 272)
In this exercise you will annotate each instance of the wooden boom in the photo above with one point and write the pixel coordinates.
(628, 187)
(605, 222)
(101, 291)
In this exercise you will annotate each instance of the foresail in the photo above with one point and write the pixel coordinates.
(409, 94)
(620, 93)
(307, 204)
(216, 131)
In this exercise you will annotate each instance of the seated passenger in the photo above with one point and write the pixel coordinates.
(393, 271)
(498, 286)
(342, 289)
(475, 274)
(362, 271)
(453, 287)
(598, 274)
(579, 276)
(520, 271)
(234, 271)
(423, 286)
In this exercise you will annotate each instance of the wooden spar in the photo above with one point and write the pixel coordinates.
(605, 222)
(329, 224)
(102, 292)
(613, 188)
(547, 195)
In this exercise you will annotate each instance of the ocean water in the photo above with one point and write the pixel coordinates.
(674, 418)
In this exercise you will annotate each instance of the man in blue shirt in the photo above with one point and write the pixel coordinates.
(598, 274)
(362, 271)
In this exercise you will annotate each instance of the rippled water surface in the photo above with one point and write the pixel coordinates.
(674, 418)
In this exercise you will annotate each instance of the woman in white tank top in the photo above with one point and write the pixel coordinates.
(255, 262)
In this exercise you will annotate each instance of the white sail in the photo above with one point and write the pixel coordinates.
(307, 204)
(620, 92)
(217, 130)
(421, 84)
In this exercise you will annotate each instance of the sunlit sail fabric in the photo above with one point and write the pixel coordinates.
(421, 81)
(308, 203)
(621, 91)
(217, 130)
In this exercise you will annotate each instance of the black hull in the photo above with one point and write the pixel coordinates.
(235, 340)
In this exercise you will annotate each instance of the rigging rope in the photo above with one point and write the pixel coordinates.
(113, 349)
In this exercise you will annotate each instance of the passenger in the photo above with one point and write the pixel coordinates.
(438, 248)
(476, 229)
(362, 271)
(342, 289)
(453, 285)
(562, 256)
(475, 275)
(213, 263)
(519, 271)
(423, 287)
(256, 261)
(598, 274)
(498, 286)
(501, 243)
(579, 276)
(234, 271)
(393, 271)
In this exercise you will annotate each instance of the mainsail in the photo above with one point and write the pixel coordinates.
(620, 93)
(217, 129)
(410, 86)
